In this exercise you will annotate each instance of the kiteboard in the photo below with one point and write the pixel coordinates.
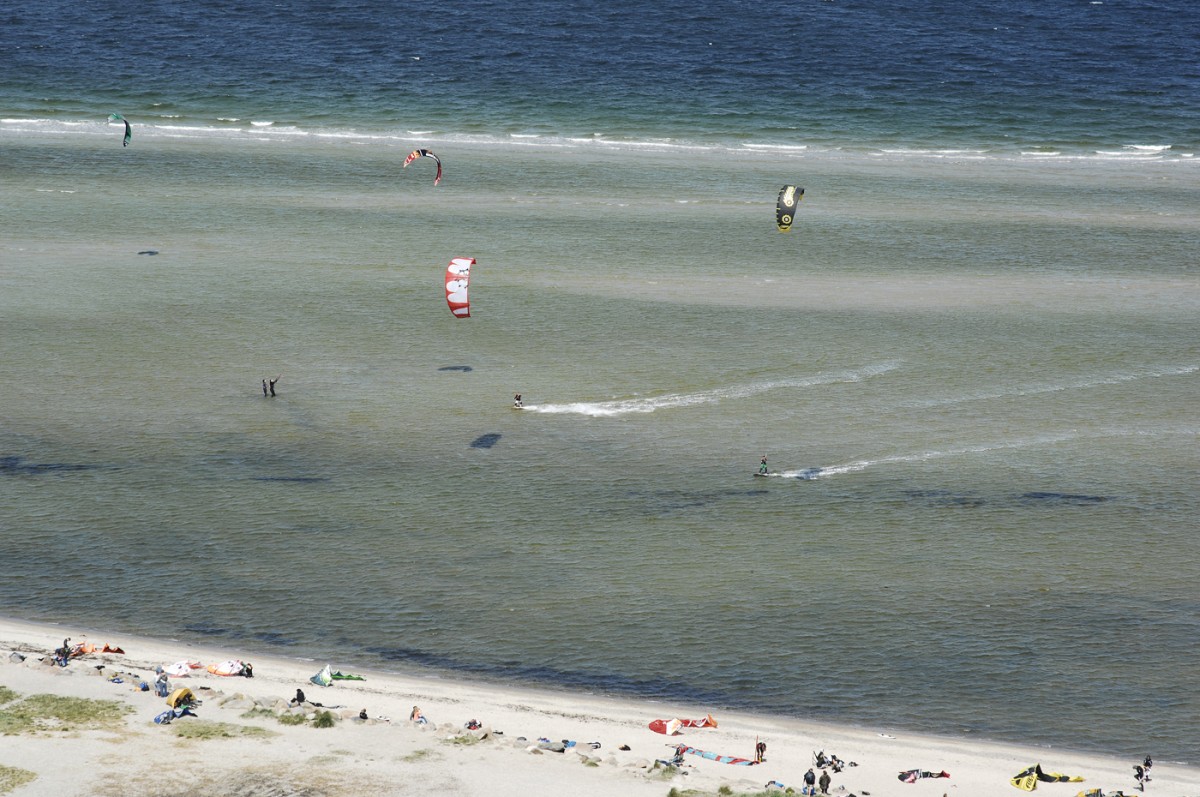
(764, 475)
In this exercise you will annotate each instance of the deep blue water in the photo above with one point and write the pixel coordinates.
(1079, 74)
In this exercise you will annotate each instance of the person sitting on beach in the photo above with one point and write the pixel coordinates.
(362, 715)
(417, 717)
(298, 700)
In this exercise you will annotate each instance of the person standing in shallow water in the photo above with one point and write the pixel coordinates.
(269, 386)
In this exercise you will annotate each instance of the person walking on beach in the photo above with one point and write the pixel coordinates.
(810, 780)
(824, 781)
(162, 683)
(1139, 774)
(1149, 762)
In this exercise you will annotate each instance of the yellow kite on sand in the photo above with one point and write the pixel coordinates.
(1028, 780)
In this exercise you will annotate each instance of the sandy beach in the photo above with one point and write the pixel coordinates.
(230, 748)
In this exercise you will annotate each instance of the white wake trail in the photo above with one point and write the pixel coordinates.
(602, 409)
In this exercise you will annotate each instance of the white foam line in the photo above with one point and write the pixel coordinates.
(924, 456)
(808, 474)
(603, 409)
(1082, 384)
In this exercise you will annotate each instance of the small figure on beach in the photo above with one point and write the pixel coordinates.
(417, 716)
(298, 700)
(823, 782)
(1146, 764)
(762, 465)
(162, 686)
(810, 782)
(760, 752)
(517, 401)
(1139, 774)
(362, 715)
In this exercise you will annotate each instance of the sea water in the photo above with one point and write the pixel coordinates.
(972, 364)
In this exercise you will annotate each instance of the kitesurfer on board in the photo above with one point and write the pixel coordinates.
(762, 465)
(517, 401)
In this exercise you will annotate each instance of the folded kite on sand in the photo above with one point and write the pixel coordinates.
(338, 675)
(231, 667)
(671, 727)
(1028, 779)
(913, 775)
(182, 669)
(723, 759)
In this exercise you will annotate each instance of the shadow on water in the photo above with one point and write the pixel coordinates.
(1061, 498)
(670, 501)
(464, 368)
(949, 498)
(943, 498)
(515, 671)
(17, 466)
(294, 479)
(270, 637)
(486, 440)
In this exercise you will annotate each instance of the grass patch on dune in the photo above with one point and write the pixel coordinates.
(204, 729)
(7, 695)
(55, 713)
(13, 778)
(466, 740)
(418, 755)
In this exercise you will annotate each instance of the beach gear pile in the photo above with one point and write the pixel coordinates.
(180, 702)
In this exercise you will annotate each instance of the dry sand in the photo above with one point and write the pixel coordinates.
(396, 757)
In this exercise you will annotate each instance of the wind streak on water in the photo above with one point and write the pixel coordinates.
(599, 409)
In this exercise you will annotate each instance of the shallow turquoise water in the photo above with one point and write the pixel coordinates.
(993, 363)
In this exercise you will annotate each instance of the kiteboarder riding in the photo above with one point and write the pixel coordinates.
(517, 401)
(762, 466)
